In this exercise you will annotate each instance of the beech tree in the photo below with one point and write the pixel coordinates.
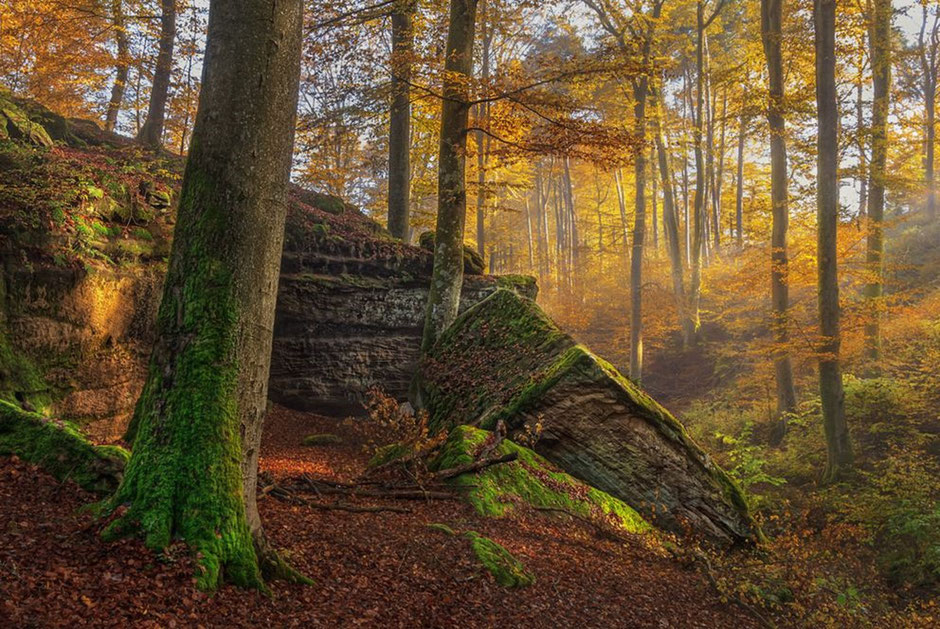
(399, 135)
(839, 447)
(771, 31)
(121, 64)
(447, 276)
(880, 41)
(197, 426)
(151, 133)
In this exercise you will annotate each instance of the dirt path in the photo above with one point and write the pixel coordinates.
(379, 570)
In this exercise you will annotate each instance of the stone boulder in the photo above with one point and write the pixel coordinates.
(504, 359)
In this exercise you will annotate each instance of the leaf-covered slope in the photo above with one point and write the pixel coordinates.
(504, 359)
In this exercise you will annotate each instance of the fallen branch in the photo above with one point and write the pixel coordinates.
(283, 494)
(474, 466)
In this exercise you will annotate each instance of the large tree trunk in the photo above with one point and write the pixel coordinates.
(399, 126)
(447, 277)
(880, 35)
(698, 205)
(197, 426)
(483, 140)
(771, 30)
(151, 133)
(121, 64)
(839, 447)
(671, 225)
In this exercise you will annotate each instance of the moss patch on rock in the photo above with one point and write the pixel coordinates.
(530, 481)
(322, 439)
(505, 568)
(61, 449)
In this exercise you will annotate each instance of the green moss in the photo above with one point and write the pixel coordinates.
(322, 439)
(443, 528)
(389, 453)
(530, 480)
(184, 476)
(508, 571)
(60, 448)
(20, 379)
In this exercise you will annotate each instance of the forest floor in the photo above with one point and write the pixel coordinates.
(370, 569)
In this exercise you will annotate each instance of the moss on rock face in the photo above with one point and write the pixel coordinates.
(531, 481)
(506, 569)
(61, 449)
(504, 359)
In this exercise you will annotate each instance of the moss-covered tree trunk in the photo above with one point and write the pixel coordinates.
(197, 426)
(151, 133)
(447, 277)
(772, 35)
(839, 448)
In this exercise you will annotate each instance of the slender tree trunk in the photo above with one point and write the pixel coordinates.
(698, 210)
(862, 161)
(151, 133)
(197, 426)
(720, 175)
(771, 30)
(528, 233)
(654, 193)
(483, 111)
(839, 446)
(399, 132)
(639, 234)
(121, 65)
(671, 225)
(739, 193)
(880, 35)
(622, 202)
(447, 276)
(930, 106)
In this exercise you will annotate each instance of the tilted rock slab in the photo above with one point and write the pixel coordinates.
(504, 359)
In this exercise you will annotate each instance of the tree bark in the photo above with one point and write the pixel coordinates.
(771, 31)
(739, 193)
(447, 276)
(483, 140)
(197, 426)
(838, 445)
(639, 234)
(880, 42)
(399, 131)
(151, 133)
(121, 64)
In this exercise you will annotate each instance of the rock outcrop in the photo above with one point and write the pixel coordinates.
(504, 359)
(85, 230)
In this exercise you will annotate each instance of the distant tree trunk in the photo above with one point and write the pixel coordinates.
(483, 141)
(771, 30)
(720, 174)
(447, 276)
(839, 447)
(739, 193)
(622, 202)
(197, 426)
(121, 64)
(639, 234)
(654, 193)
(862, 162)
(671, 225)
(880, 37)
(930, 106)
(528, 233)
(151, 133)
(399, 132)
